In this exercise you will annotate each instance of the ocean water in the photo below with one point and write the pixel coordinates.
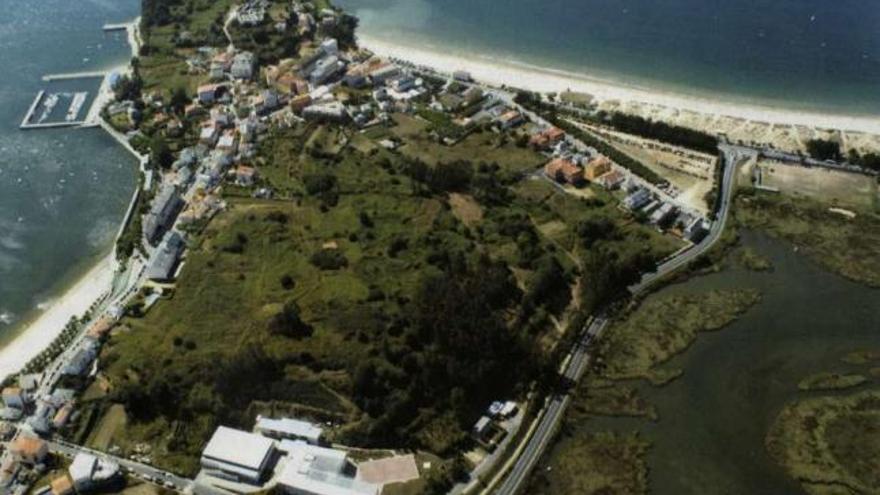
(63, 192)
(816, 55)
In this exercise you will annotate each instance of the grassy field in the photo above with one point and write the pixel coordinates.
(847, 246)
(554, 214)
(162, 66)
(594, 463)
(112, 421)
(830, 444)
(210, 350)
(611, 399)
(829, 186)
(225, 301)
(338, 259)
(481, 146)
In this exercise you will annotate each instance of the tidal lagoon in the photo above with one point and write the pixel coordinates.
(714, 418)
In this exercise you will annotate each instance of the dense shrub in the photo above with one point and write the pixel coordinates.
(329, 259)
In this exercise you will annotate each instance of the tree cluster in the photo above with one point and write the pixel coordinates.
(458, 354)
(826, 149)
(444, 177)
(661, 131)
(822, 149)
(344, 31)
(157, 12)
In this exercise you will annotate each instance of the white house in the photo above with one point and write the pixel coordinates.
(330, 46)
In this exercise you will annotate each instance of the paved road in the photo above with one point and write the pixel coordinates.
(579, 358)
(733, 156)
(142, 471)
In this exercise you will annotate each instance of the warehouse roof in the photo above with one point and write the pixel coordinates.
(238, 448)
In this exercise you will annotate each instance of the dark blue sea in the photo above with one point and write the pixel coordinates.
(819, 55)
(63, 192)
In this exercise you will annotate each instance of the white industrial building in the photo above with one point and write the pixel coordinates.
(287, 428)
(312, 470)
(327, 112)
(238, 456)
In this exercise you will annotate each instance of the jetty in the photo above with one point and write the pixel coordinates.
(117, 26)
(74, 75)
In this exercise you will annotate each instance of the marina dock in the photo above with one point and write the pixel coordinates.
(32, 109)
(92, 115)
(27, 124)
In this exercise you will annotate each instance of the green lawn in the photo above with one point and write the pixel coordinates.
(481, 146)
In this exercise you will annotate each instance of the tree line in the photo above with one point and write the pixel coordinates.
(661, 131)
(826, 149)
(533, 102)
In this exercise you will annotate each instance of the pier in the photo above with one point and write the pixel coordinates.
(116, 27)
(50, 125)
(73, 75)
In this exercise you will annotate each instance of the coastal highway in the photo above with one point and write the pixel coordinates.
(578, 359)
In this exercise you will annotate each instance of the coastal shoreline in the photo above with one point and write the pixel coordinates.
(41, 327)
(34, 336)
(546, 80)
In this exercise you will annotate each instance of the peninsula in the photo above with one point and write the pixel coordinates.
(353, 269)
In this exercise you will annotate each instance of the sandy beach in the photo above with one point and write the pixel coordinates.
(45, 327)
(665, 105)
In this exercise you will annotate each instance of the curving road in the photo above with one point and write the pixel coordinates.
(555, 406)
(733, 156)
